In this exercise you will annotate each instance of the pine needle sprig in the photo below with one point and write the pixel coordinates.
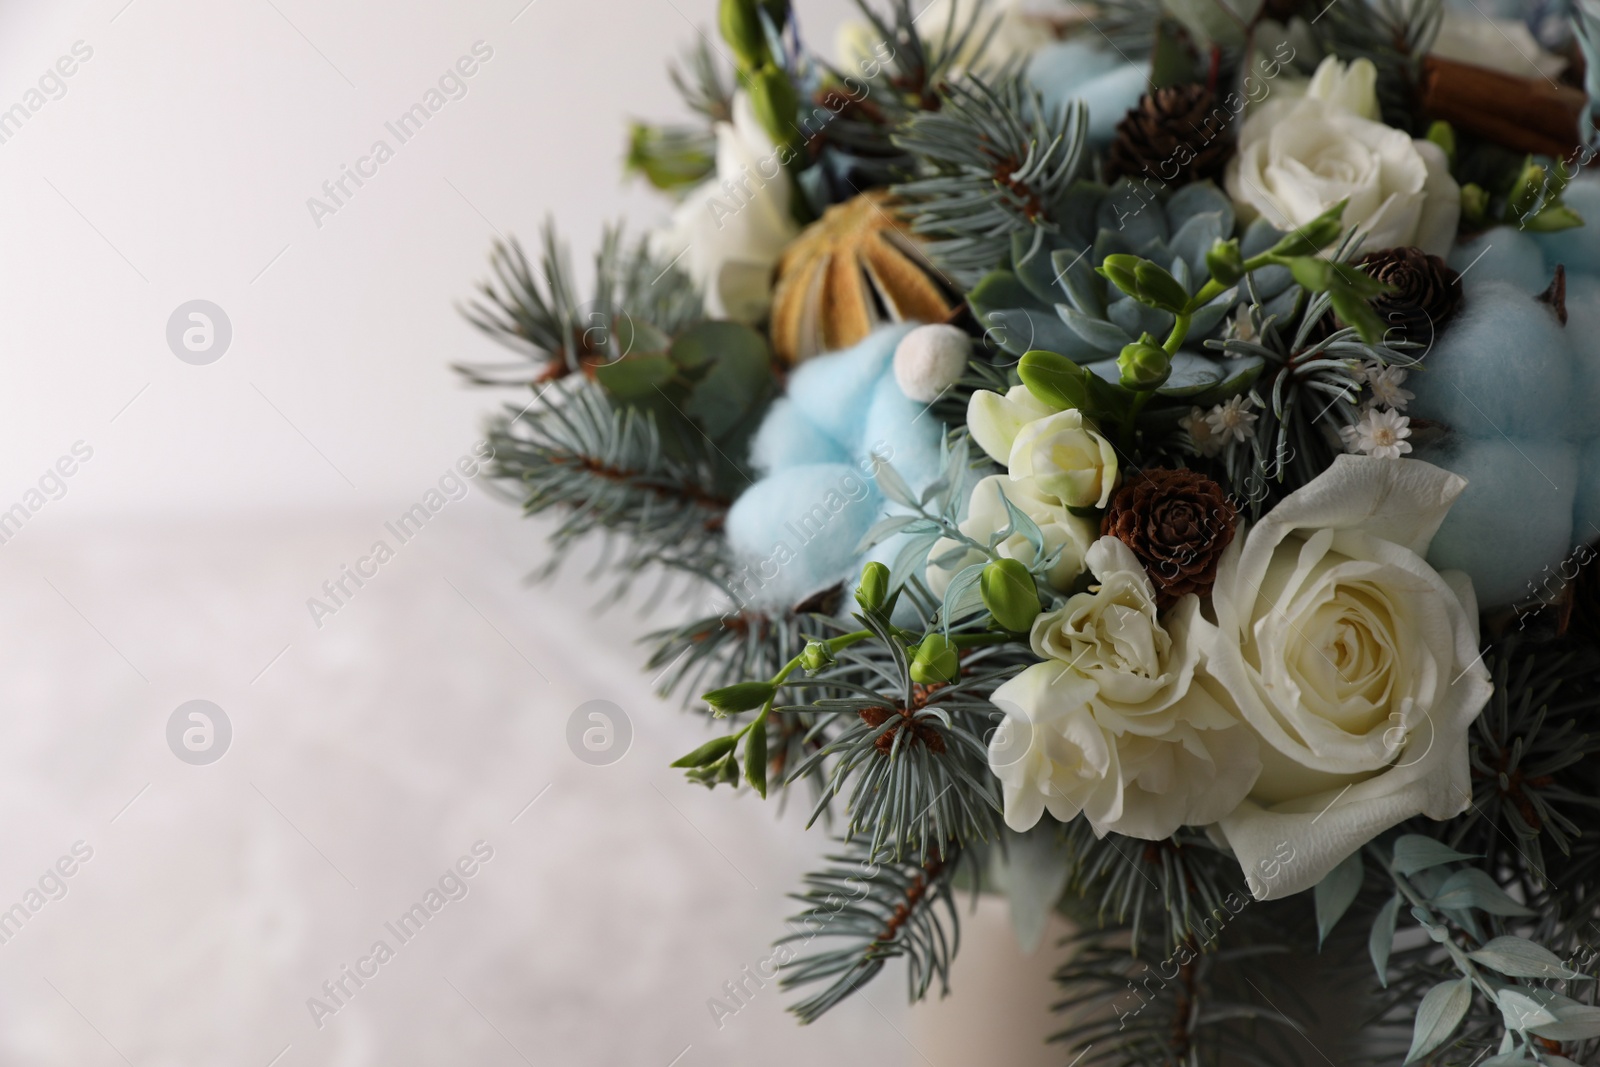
(874, 911)
(536, 310)
(602, 468)
(909, 761)
(704, 82)
(1395, 35)
(995, 161)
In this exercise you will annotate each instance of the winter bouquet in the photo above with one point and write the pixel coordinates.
(1138, 458)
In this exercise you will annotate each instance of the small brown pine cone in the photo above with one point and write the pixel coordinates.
(1176, 135)
(1177, 522)
(1427, 293)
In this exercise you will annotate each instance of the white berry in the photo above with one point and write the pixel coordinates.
(929, 360)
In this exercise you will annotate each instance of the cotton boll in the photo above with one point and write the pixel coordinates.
(796, 531)
(833, 391)
(929, 360)
(1073, 70)
(1503, 254)
(1586, 511)
(1583, 337)
(901, 430)
(1515, 517)
(1501, 367)
(1577, 249)
(788, 439)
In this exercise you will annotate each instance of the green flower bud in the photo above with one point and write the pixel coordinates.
(1357, 312)
(742, 696)
(741, 28)
(1158, 288)
(775, 103)
(1554, 217)
(1443, 134)
(1010, 594)
(1144, 364)
(1528, 191)
(1054, 379)
(874, 587)
(1314, 236)
(1225, 261)
(816, 656)
(936, 660)
(1118, 270)
(1474, 203)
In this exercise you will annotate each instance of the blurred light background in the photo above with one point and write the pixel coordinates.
(369, 754)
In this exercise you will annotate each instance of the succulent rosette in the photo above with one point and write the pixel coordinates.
(1139, 460)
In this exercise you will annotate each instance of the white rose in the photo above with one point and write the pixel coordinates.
(1065, 534)
(1355, 663)
(731, 229)
(1299, 157)
(1115, 723)
(1499, 44)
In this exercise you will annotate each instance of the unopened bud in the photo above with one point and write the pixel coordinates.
(1010, 594)
(1144, 364)
(936, 661)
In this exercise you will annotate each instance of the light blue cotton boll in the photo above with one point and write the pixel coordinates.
(1515, 517)
(1583, 338)
(1586, 510)
(1075, 70)
(1502, 367)
(1503, 254)
(796, 531)
(1577, 249)
(903, 432)
(833, 391)
(788, 439)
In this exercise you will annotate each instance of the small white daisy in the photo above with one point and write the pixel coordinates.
(1384, 383)
(1232, 419)
(1381, 434)
(1200, 431)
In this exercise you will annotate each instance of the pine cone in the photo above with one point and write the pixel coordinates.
(1177, 522)
(1176, 135)
(1427, 293)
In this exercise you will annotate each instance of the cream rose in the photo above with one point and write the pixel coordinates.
(1066, 536)
(731, 229)
(1116, 723)
(1299, 157)
(1352, 660)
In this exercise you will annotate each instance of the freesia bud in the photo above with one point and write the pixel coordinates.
(1010, 594)
(936, 661)
(1144, 364)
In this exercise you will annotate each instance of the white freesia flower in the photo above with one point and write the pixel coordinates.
(1060, 452)
(1299, 157)
(1116, 723)
(1352, 87)
(731, 229)
(1499, 44)
(1354, 662)
(1065, 534)
(1066, 458)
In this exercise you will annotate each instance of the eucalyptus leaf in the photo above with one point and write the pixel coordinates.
(894, 486)
(1520, 1011)
(1036, 873)
(1381, 941)
(1417, 852)
(1574, 1022)
(1472, 888)
(1517, 957)
(963, 597)
(1336, 892)
(1440, 1012)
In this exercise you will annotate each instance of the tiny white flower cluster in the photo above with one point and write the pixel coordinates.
(1213, 430)
(1382, 430)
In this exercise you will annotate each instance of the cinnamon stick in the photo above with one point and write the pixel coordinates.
(1527, 114)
